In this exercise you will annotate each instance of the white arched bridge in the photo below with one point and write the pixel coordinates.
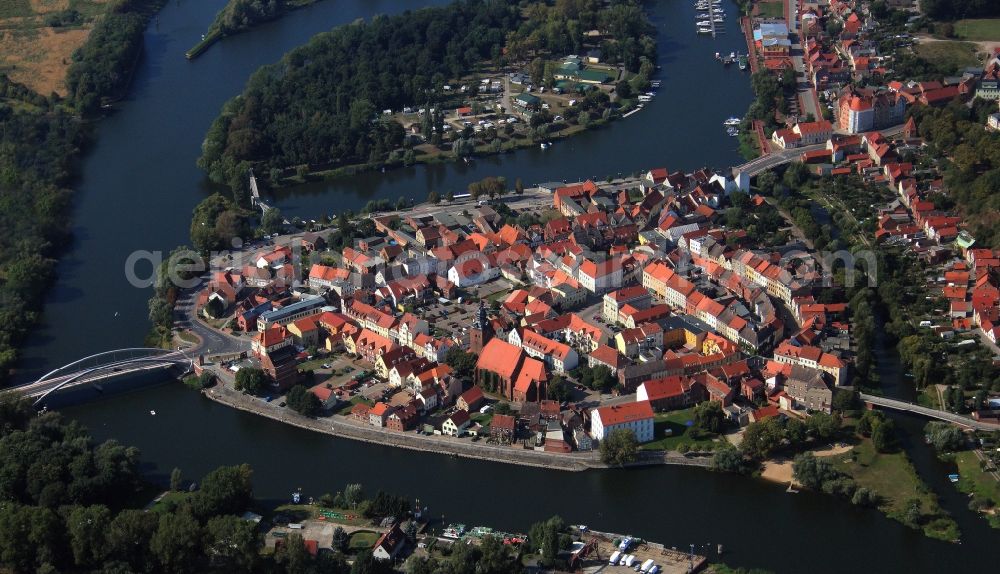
(101, 366)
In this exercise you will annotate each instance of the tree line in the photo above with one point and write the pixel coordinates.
(956, 9)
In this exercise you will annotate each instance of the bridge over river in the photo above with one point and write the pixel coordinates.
(905, 406)
(103, 367)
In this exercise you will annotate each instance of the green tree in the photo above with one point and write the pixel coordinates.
(761, 438)
(354, 494)
(302, 401)
(619, 447)
(434, 198)
(87, 527)
(250, 380)
(729, 459)
(823, 426)
(944, 436)
(272, 221)
(232, 544)
(340, 539)
(129, 537)
(176, 479)
(884, 436)
(559, 389)
(225, 490)
(708, 418)
(813, 472)
(177, 543)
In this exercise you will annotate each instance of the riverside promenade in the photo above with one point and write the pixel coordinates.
(344, 427)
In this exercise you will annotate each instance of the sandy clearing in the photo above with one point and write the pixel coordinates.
(780, 469)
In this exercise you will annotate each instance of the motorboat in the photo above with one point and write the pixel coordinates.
(733, 121)
(545, 145)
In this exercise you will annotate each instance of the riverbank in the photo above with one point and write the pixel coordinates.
(343, 428)
(483, 152)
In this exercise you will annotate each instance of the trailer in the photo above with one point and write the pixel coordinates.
(646, 566)
(613, 560)
(628, 561)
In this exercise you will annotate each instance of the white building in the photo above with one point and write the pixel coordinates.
(636, 417)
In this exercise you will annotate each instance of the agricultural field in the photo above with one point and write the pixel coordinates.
(38, 38)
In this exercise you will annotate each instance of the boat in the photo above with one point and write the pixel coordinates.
(704, 23)
(152, 413)
(743, 61)
(733, 121)
(545, 145)
(953, 477)
(655, 83)
(645, 98)
(704, 30)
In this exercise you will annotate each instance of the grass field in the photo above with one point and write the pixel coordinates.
(677, 422)
(772, 9)
(361, 540)
(980, 30)
(893, 477)
(169, 500)
(972, 480)
(36, 54)
(948, 55)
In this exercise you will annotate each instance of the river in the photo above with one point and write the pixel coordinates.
(138, 188)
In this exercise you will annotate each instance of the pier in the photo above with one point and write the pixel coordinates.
(255, 194)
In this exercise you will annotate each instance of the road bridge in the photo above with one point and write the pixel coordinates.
(782, 156)
(908, 407)
(102, 366)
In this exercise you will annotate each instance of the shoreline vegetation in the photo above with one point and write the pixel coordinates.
(239, 16)
(325, 111)
(42, 141)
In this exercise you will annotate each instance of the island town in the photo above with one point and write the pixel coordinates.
(732, 319)
(531, 325)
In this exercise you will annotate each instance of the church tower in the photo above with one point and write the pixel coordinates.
(481, 331)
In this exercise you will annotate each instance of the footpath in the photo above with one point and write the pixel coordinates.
(345, 427)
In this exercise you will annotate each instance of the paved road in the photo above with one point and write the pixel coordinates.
(213, 341)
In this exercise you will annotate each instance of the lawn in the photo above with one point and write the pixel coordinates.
(345, 410)
(985, 29)
(972, 480)
(893, 477)
(361, 540)
(169, 502)
(677, 421)
(772, 9)
(948, 55)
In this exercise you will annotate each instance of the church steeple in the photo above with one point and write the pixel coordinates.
(481, 331)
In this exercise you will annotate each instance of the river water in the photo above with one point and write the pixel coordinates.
(140, 184)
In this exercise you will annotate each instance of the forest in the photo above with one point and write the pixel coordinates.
(70, 506)
(318, 106)
(956, 9)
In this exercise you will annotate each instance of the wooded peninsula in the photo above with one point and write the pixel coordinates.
(329, 104)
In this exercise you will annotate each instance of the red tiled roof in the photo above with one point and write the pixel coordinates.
(625, 413)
